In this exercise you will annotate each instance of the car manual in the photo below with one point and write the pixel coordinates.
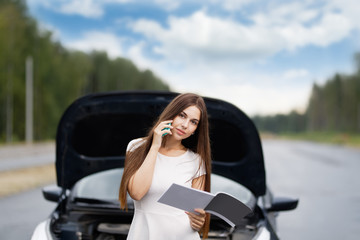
(223, 205)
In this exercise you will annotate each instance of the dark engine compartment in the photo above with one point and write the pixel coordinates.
(104, 223)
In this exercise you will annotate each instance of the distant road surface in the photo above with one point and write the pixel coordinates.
(22, 156)
(326, 180)
(324, 177)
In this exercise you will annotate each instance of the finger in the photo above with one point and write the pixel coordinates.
(167, 121)
(198, 224)
(195, 216)
(196, 219)
(200, 211)
(164, 126)
(165, 132)
(163, 123)
(195, 226)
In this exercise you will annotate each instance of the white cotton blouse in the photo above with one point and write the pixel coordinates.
(156, 221)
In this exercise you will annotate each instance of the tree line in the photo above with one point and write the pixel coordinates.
(332, 107)
(59, 75)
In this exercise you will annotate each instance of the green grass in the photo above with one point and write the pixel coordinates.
(346, 139)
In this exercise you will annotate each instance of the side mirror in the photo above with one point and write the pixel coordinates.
(283, 204)
(52, 193)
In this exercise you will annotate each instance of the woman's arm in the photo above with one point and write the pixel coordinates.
(140, 182)
(199, 183)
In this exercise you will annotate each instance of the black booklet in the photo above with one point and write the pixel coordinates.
(221, 204)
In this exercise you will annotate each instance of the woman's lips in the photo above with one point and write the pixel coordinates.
(180, 132)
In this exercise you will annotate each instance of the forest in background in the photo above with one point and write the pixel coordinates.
(332, 107)
(59, 75)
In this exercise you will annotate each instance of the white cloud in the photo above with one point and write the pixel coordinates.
(94, 40)
(286, 14)
(201, 37)
(348, 8)
(300, 24)
(86, 8)
(135, 53)
(332, 28)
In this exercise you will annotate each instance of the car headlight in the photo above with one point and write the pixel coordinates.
(42, 231)
(262, 234)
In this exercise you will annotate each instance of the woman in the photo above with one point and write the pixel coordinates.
(176, 150)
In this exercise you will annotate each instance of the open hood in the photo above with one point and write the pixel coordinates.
(94, 131)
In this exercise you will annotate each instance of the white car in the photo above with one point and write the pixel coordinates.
(90, 150)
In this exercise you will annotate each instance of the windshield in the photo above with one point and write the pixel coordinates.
(104, 186)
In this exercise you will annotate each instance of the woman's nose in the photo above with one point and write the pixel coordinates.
(185, 124)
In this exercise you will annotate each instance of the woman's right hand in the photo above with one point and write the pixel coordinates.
(160, 130)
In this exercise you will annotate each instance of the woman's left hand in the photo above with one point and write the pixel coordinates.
(197, 219)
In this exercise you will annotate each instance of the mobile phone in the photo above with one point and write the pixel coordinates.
(167, 129)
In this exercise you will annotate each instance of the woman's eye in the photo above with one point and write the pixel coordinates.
(194, 122)
(181, 115)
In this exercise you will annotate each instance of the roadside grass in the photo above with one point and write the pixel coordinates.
(345, 139)
(16, 181)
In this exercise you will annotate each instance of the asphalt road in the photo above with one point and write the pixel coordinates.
(30, 155)
(325, 179)
(20, 213)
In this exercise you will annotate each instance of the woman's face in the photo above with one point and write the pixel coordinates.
(186, 122)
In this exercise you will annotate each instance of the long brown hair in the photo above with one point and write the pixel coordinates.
(198, 143)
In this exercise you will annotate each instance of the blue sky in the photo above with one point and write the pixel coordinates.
(260, 55)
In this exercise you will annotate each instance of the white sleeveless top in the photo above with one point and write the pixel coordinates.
(157, 221)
